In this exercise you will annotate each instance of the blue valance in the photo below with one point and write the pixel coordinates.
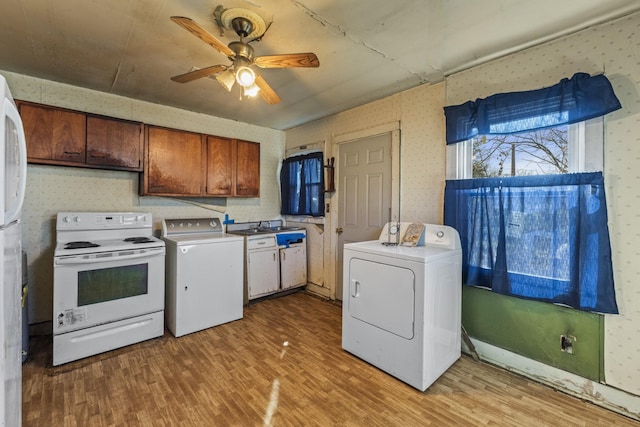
(582, 97)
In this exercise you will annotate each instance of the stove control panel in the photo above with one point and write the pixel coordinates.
(103, 220)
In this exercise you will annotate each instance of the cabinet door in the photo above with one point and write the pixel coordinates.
(174, 163)
(114, 143)
(53, 135)
(248, 169)
(262, 272)
(293, 266)
(221, 158)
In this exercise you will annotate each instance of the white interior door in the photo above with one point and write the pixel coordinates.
(365, 192)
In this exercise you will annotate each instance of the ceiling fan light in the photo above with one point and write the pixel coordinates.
(226, 79)
(245, 76)
(251, 91)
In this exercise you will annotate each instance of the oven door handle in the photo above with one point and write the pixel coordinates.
(94, 258)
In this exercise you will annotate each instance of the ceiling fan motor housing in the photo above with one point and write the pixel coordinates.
(242, 50)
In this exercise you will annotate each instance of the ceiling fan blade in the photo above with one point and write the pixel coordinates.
(266, 92)
(197, 74)
(194, 28)
(291, 60)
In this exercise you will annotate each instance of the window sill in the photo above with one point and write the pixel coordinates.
(304, 219)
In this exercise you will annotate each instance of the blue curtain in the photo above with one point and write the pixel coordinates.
(302, 185)
(536, 237)
(573, 100)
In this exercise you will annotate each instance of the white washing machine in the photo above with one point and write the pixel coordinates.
(204, 275)
(401, 307)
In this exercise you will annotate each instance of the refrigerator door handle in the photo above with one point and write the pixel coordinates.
(12, 113)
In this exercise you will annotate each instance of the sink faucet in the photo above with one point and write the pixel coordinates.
(262, 224)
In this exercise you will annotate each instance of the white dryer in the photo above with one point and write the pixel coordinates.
(401, 307)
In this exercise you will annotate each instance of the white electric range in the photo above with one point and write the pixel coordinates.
(108, 283)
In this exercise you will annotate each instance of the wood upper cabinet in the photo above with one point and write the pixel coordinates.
(248, 169)
(71, 138)
(221, 155)
(233, 167)
(114, 143)
(53, 135)
(174, 163)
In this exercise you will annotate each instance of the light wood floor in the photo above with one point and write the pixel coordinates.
(282, 365)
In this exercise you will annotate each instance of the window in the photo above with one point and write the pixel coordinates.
(532, 221)
(302, 185)
(561, 149)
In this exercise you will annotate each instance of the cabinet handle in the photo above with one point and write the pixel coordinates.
(95, 156)
(274, 256)
(72, 153)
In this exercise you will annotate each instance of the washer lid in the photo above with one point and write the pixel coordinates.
(201, 239)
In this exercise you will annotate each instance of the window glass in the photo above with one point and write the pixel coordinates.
(556, 150)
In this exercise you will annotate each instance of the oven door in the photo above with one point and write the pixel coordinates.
(90, 290)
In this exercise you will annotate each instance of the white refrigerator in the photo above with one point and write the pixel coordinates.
(13, 171)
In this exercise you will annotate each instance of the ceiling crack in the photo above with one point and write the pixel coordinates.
(326, 23)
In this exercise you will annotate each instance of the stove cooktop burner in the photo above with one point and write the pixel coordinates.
(135, 240)
(80, 245)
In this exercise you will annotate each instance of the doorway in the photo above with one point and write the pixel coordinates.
(368, 188)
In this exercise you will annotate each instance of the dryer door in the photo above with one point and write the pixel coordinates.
(382, 295)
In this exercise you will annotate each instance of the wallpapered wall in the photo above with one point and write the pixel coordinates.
(419, 112)
(422, 154)
(51, 189)
(614, 49)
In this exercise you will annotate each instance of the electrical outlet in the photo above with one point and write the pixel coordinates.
(566, 343)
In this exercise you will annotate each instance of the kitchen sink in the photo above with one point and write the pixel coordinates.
(263, 230)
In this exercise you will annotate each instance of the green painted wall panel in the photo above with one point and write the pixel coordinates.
(532, 329)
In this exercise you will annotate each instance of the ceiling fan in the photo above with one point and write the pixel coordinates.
(241, 54)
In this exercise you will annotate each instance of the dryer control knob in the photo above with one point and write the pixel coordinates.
(440, 234)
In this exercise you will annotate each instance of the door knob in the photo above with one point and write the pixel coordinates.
(339, 230)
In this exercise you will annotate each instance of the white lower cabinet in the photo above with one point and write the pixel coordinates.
(263, 267)
(273, 268)
(293, 266)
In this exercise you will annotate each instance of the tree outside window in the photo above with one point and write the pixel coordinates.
(540, 152)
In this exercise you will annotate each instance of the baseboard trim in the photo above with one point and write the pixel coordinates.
(614, 399)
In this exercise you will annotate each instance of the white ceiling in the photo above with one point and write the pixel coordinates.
(368, 49)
